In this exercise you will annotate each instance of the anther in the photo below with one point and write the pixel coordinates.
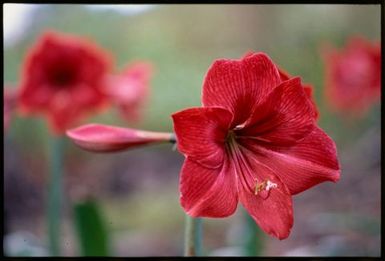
(270, 185)
(265, 185)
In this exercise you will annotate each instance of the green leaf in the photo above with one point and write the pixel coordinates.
(90, 228)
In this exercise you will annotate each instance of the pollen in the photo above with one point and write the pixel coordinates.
(265, 185)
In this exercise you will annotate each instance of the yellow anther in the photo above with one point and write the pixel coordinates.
(265, 185)
(260, 186)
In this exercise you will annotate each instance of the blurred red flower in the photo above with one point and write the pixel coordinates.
(129, 89)
(353, 76)
(63, 78)
(254, 140)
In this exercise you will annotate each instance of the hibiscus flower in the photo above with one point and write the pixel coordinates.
(63, 78)
(353, 76)
(255, 140)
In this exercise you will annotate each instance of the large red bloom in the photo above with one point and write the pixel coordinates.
(353, 76)
(254, 140)
(63, 78)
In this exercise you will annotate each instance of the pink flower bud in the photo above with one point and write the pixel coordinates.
(104, 138)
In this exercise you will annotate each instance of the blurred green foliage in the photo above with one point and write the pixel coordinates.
(91, 229)
(183, 40)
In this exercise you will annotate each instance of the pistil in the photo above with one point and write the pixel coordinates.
(241, 165)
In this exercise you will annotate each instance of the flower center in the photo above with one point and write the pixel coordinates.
(265, 185)
(62, 75)
(243, 169)
(230, 138)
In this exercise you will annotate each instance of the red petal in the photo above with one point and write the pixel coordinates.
(104, 138)
(239, 85)
(201, 134)
(63, 112)
(309, 92)
(208, 192)
(271, 209)
(283, 74)
(285, 117)
(130, 89)
(311, 161)
(307, 88)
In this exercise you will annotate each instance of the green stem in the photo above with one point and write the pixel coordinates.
(193, 236)
(253, 237)
(54, 199)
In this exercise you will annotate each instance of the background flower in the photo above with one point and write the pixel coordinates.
(129, 90)
(353, 76)
(63, 78)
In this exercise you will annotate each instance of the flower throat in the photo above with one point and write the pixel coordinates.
(260, 187)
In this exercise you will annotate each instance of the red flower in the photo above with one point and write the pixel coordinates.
(104, 138)
(130, 89)
(254, 140)
(63, 78)
(353, 76)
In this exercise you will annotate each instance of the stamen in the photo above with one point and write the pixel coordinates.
(270, 185)
(265, 185)
(244, 171)
(259, 187)
(241, 165)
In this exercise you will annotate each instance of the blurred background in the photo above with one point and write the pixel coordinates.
(137, 190)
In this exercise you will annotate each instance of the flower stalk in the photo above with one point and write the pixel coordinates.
(55, 191)
(253, 245)
(193, 236)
